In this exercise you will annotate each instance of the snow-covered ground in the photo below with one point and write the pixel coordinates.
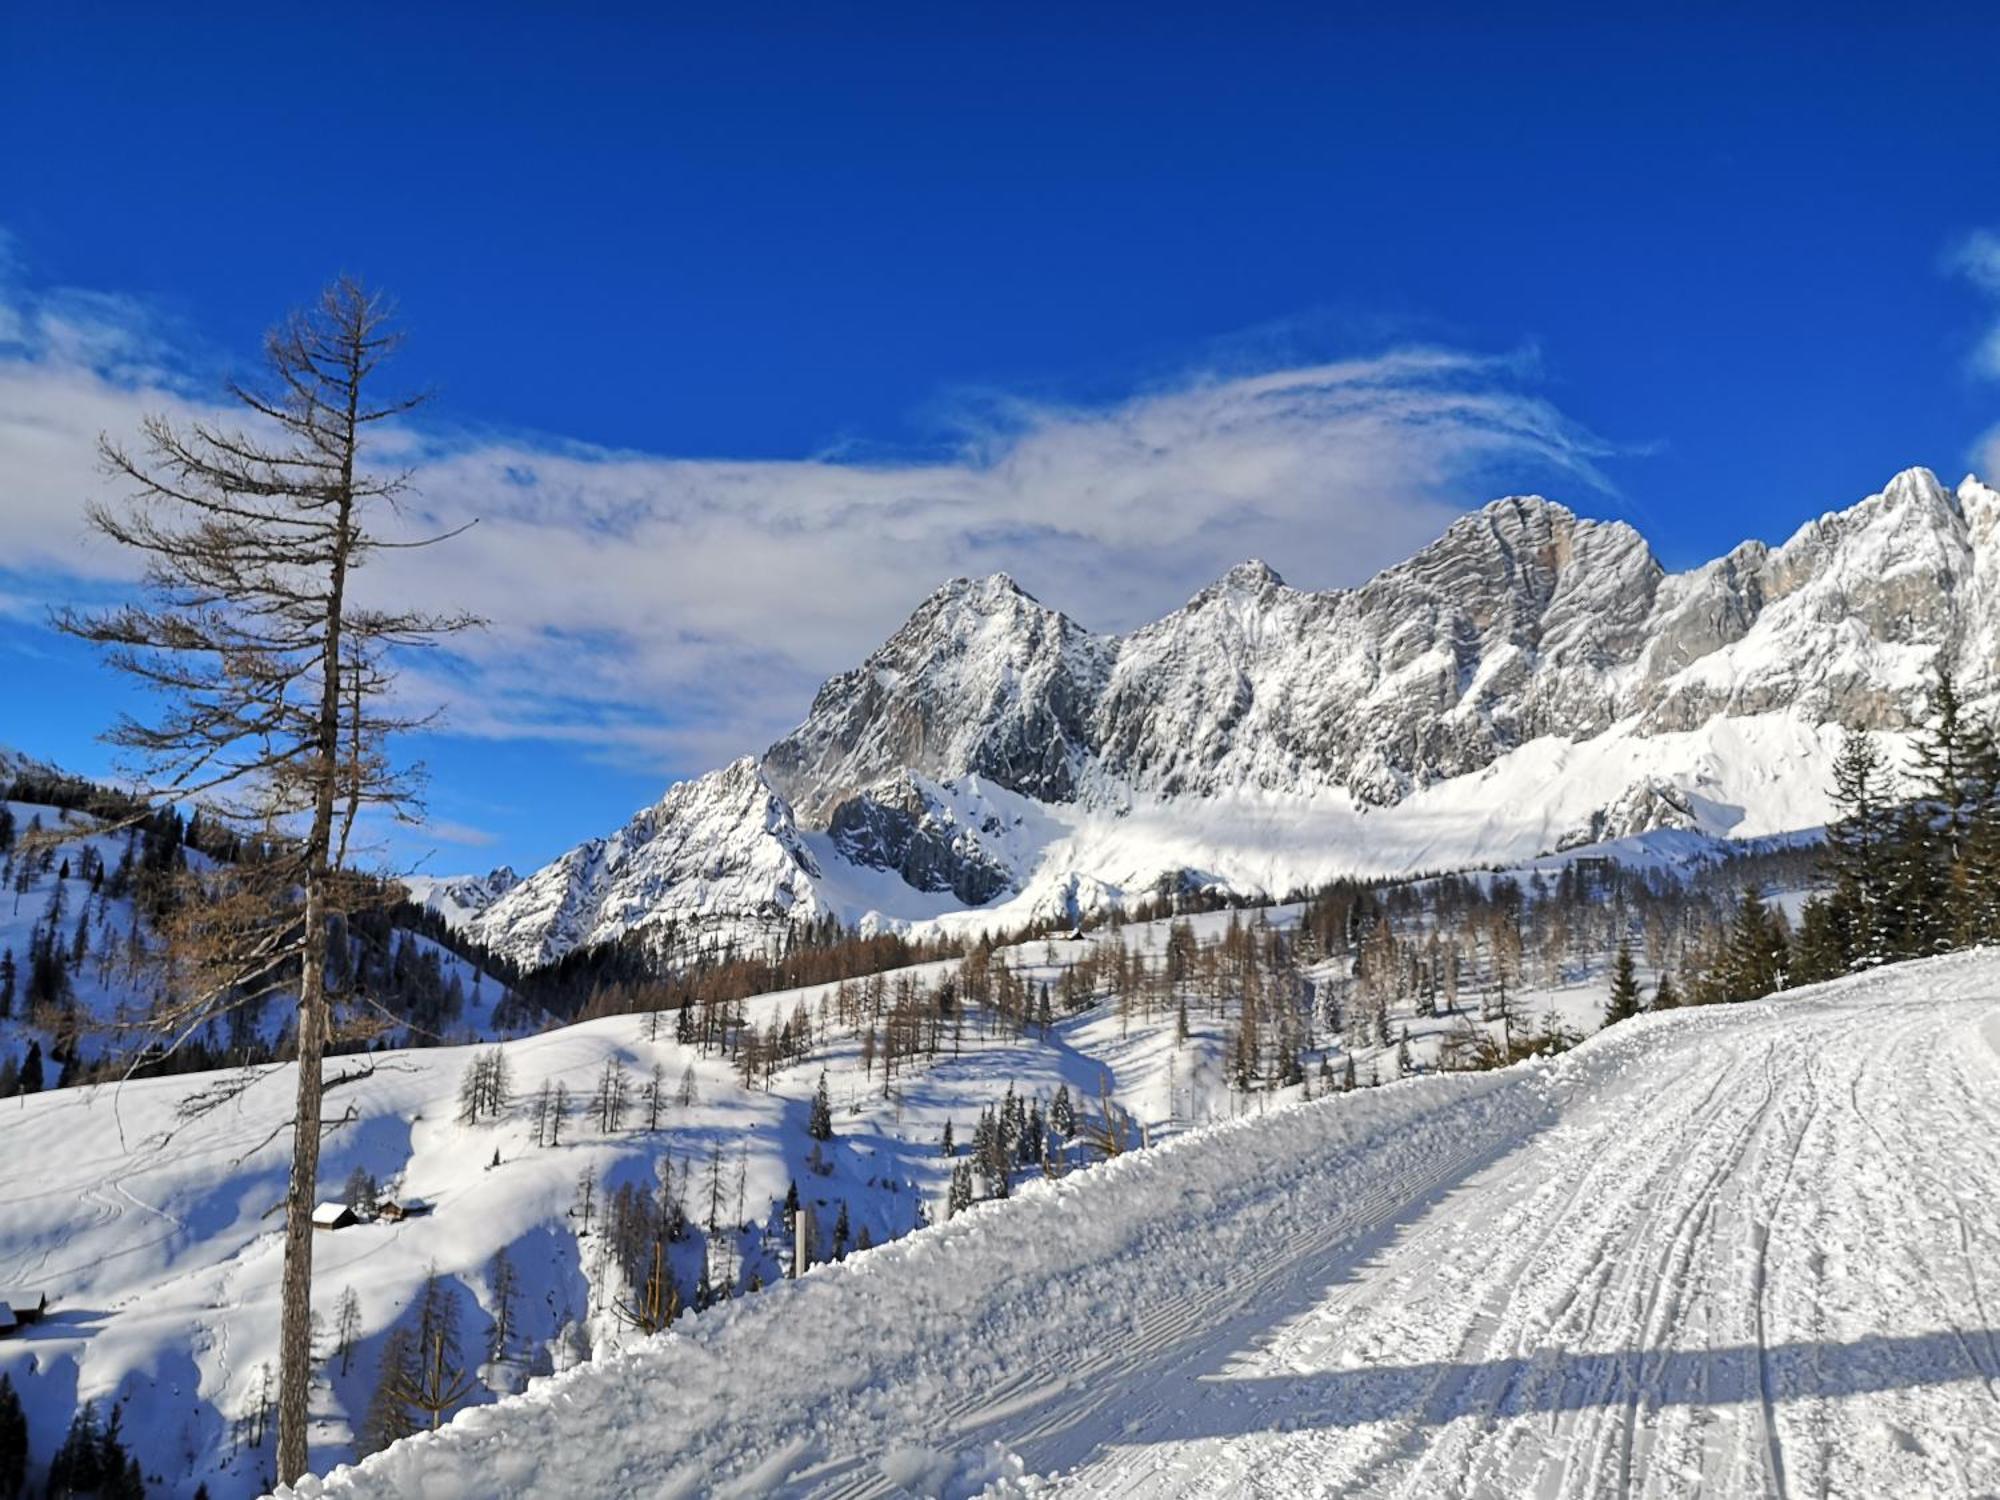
(1738, 1250)
(148, 1212)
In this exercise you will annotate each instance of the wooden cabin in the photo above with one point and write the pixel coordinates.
(334, 1216)
(16, 1314)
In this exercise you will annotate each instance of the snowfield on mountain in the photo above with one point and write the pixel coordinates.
(1734, 1250)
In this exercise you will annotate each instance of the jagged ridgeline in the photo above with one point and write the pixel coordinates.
(1531, 681)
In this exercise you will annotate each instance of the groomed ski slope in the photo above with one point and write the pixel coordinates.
(1749, 1250)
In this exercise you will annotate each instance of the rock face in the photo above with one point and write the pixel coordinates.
(1523, 623)
(908, 825)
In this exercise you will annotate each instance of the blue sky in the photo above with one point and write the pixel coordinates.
(758, 324)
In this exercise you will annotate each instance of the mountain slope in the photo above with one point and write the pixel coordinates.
(715, 861)
(1531, 680)
(1734, 1249)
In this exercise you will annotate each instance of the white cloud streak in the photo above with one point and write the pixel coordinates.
(1976, 258)
(673, 612)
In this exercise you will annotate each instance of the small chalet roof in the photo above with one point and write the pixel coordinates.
(8, 1319)
(332, 1215)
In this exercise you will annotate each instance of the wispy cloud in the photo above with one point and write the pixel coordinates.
(444, 830)
(1976, 258)
(671, 612)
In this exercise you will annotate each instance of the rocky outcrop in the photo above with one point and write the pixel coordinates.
(907, 825)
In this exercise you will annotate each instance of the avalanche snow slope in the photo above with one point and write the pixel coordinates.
(1743, 1250)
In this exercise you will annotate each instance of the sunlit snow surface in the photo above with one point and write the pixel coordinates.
(1741, 1250)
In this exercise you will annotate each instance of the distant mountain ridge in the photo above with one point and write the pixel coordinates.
(1533, 679)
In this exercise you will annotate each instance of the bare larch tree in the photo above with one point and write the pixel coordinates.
(273, 681)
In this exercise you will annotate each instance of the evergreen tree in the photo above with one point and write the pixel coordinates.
(13, 1440)
(1754, 964)
(1918, 920)
(819, 1124)
(1623, 1002)
(960, 1196)
(388, 1416)
(1820, 950)
(1062, 1114)
(1665, 996)
(78, 1465)
(31, 1069)
(1944, 750)
(1858, 849)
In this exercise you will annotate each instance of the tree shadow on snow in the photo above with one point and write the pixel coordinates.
(1555, 1381)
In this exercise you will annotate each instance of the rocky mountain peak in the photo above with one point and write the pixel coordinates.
(1251, 577)
(1524, 630)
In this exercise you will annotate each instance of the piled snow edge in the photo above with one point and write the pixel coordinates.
(887, 1349)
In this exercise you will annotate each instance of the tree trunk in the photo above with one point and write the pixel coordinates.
(295, 1327)
(295, 1332)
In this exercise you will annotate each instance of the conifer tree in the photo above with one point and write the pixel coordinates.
(274, 681)
(1918, 918)
(1623, 1001)
(819, 1124)
(1062, 1114)
(1755, 961)
(1665, 995)
(960, 1196)
(1858, 849)
(78, 1466)
(505, 1282)
(1819, 952)
(13, 1442)
(346, 1327)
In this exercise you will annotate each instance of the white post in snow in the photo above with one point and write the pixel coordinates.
(802, 1240)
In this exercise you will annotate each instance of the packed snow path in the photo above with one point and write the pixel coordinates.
(1748, 1250)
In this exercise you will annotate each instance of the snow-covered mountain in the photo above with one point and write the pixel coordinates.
(714, 861)
(460, 898)
(1532, 680)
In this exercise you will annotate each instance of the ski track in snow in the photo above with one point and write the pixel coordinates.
(1734, 1251)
